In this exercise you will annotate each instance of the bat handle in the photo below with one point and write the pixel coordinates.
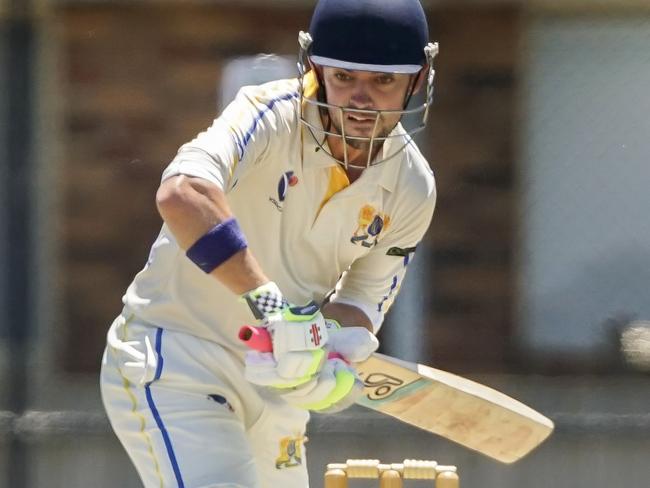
(259, 339)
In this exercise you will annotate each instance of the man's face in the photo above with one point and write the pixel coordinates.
(364, 90)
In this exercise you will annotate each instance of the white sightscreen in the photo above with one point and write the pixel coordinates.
(585, 182)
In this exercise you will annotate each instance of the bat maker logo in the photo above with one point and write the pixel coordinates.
(381, 384)
(286, 180)
(315, 335)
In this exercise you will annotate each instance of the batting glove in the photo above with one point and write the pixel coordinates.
(335, 388)
(354, 344)
(338, 385)
(298, 336)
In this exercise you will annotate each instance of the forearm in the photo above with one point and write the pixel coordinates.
(346, 315)
(191, 207)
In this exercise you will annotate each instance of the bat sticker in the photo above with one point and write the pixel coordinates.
(382, 384)
(385, 388)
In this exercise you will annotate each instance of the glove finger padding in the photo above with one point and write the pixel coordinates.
(300, 364)
(355, 344)
(315, 390)
(293, 369)
(335, 388)
(350, 399)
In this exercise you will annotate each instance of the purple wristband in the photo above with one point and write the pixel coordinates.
(218, 245)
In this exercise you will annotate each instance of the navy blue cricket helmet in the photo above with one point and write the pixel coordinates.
(372, 35)
(390, 36)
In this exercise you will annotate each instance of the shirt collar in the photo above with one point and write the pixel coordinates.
(314, 155)
(384, 174)
(394, 146)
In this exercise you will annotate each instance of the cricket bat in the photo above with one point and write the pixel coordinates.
(468, 413)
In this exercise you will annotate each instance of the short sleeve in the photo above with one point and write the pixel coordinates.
(237, 140)
(372, 281)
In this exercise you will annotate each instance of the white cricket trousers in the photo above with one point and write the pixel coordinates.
(187, 417)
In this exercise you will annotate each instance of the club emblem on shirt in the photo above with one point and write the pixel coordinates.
(287, 180)
(369, 226)
(290, 452)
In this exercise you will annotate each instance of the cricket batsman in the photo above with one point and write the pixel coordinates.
(298, 210)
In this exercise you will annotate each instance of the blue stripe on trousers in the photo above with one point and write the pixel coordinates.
(156, 415)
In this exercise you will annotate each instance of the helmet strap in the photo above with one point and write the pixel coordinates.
(409, 93)
(321, 96)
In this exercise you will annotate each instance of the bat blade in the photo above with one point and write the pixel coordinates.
(466, 412)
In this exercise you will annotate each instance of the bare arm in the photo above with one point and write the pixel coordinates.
(191, 207)
(346, 315)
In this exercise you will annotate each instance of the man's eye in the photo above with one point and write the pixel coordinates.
(342, 76)
(384, 80)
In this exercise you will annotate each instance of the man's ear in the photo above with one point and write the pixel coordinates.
(421, 78)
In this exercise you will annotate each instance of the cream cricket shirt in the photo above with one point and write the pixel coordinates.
(309, 229)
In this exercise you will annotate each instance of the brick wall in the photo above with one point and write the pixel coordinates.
(138, 82)
(473, 137)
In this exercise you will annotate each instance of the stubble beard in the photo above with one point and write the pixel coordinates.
(362, 145)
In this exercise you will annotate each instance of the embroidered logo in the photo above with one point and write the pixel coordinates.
(369, 226)
(290, 452)
(287, 180)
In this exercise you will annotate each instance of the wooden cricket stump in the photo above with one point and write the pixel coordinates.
(391, 475)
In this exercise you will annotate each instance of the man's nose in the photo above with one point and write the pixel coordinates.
(360, 97)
